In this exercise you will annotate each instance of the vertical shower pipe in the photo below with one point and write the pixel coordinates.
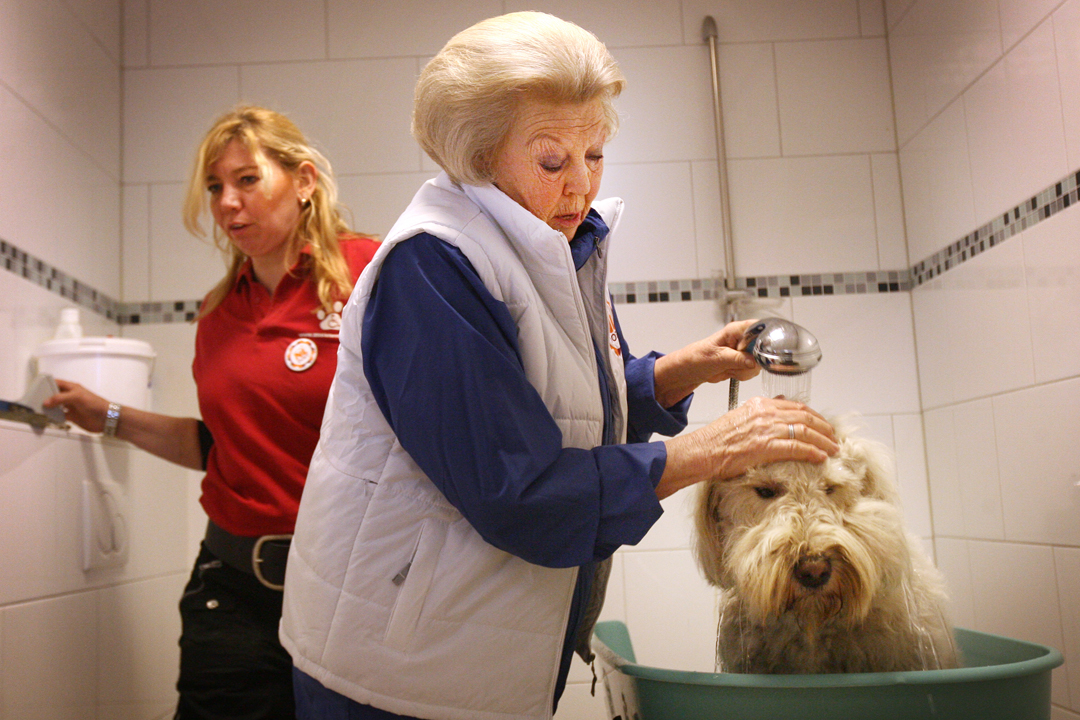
(710, 35)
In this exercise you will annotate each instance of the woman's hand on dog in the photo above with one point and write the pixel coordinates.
(758, 432)
(714, 359)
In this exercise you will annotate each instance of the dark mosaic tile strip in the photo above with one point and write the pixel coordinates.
(766, 286)
(56, 281)
(41, 273)
(1054, 199)
(149, 313)
(847, 283)
(1059, 196)
(651, 291)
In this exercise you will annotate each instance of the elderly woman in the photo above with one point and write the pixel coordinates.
(484, 450)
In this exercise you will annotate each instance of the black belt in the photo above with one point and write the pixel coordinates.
(262, 556)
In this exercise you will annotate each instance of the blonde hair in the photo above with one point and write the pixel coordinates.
(468, 95)
(271, 137)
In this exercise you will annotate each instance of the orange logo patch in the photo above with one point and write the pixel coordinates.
(301, 354)
(613, 335)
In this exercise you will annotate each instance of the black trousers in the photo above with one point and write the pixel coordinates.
(232, 664)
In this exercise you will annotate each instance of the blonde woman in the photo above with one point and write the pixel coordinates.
(265, 354)
(485, 448)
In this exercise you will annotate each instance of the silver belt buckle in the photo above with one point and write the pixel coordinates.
(256, 559)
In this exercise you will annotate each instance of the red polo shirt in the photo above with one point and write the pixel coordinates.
(263, 367)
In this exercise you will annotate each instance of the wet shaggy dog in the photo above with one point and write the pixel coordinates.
(817, 572)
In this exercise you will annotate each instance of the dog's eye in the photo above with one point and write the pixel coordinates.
(830, 489)
(765, 492)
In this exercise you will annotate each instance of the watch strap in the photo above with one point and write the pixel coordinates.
(112, 419)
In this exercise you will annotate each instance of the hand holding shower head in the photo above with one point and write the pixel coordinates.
(781, 346)
(786, 352)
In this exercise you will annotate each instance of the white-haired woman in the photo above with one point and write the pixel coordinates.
(265, 354)
(485, 445)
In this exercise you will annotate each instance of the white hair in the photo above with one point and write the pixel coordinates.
(468, 96)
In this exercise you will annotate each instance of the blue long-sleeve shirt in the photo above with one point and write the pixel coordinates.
(441, 356)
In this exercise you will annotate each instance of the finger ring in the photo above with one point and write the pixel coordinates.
(791, 431)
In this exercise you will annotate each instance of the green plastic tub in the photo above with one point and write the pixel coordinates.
(1003, 679)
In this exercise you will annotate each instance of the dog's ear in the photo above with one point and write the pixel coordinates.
(873, 464)
(708, 542)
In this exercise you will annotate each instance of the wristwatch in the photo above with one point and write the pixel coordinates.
(112, 419)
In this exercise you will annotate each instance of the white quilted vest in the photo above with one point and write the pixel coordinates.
(468, 631)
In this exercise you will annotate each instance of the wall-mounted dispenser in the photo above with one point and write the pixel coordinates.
(117, 369)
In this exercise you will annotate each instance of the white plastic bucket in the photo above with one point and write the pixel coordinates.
(117, 369)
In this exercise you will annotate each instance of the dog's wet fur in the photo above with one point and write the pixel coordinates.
(817, 572)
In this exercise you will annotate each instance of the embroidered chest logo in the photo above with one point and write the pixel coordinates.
(330, 320)
(301, 354)
(613, 335)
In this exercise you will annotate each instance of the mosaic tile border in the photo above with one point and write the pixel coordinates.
(1054, 199)
(847, 283)
(1049, 202)
(56, 281)
(651, 291)
(763, 286)
(41, 273)
(147, 313)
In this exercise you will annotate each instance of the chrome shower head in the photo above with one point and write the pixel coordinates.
(780, 346)
(787, 352)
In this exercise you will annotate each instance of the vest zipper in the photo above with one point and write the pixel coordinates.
(404, 572)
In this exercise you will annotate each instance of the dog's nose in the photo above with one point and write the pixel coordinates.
(813, 571)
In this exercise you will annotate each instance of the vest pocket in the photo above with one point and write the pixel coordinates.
(413, 580)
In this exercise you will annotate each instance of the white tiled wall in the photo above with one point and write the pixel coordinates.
(986, 100)
(847, 152)
(210, 33)
(773, 20)
(1025, 84)
(62, 204)
(73, 643)
(939, 200)
(834, 236)
(64, 627)
(1066, 22)
(1051, 257)
(938, 47)
(963, 311)
(834, 97)
(67, 74)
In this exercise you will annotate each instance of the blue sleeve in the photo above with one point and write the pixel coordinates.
(645, 415)
(442, 358)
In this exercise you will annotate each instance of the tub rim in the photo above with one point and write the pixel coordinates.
(621, 658)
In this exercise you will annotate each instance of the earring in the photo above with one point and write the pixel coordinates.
(304, 202)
